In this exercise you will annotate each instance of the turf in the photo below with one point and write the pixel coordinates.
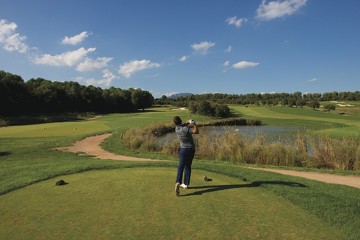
(114, 199)
(140, 204)
(317, 122)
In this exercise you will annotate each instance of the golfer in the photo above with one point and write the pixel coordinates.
(186, 151)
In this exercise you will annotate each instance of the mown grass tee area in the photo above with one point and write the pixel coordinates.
(107, 199)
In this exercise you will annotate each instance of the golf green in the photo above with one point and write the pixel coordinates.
(140, 203)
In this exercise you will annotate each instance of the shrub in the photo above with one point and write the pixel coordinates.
(329, 107)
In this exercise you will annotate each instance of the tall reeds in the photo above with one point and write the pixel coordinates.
(332, 153)
(304, 151)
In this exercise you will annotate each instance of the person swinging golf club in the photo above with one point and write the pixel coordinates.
(186, 151)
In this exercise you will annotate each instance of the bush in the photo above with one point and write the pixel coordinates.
(329, 107)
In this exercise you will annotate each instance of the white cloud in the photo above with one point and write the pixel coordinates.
(312, 80)
(238, 22)
(75, 39)
(170, 94)
(107, 78)
(183, 58)
(276, 9)
(107, 74)
(129, 68)
(202, 47)
(9, 39)
(226, 64)
(228, 49)
(93, 64)
(67, 59)
(244, 65)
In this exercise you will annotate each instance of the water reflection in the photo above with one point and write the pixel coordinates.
(272, 133)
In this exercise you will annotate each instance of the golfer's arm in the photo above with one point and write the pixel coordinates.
(195, 130)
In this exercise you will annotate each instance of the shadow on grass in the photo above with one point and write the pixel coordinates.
(4, 154)
(214, 188)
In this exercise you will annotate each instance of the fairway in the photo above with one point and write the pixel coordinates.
(54, 129)
(318, 122)
(140, 204)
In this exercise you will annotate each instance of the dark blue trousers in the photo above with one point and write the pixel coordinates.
(186, 156)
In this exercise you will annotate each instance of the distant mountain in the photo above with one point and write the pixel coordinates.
(178, 95)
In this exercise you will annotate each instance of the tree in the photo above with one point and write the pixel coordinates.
(222, 111)
(141, 99)
(13, 94)
(314, 104)
(204, 108)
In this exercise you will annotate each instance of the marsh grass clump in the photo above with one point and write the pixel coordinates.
(170, 147)
(279, 154)
(144, 138)
(301, 149)
(342, 154)
(226, 146)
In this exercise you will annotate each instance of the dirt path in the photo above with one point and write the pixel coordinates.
(352, 181)
(91, 146)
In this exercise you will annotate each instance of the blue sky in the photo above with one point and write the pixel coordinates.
(197, 46)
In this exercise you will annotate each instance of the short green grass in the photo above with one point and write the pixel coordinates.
(140, 204)
(318, 122)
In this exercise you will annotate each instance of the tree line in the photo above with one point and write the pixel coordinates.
(296, 99)
(38, 96)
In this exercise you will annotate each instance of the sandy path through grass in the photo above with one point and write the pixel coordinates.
(91, 146)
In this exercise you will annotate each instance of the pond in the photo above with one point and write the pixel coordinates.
(272, 133)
